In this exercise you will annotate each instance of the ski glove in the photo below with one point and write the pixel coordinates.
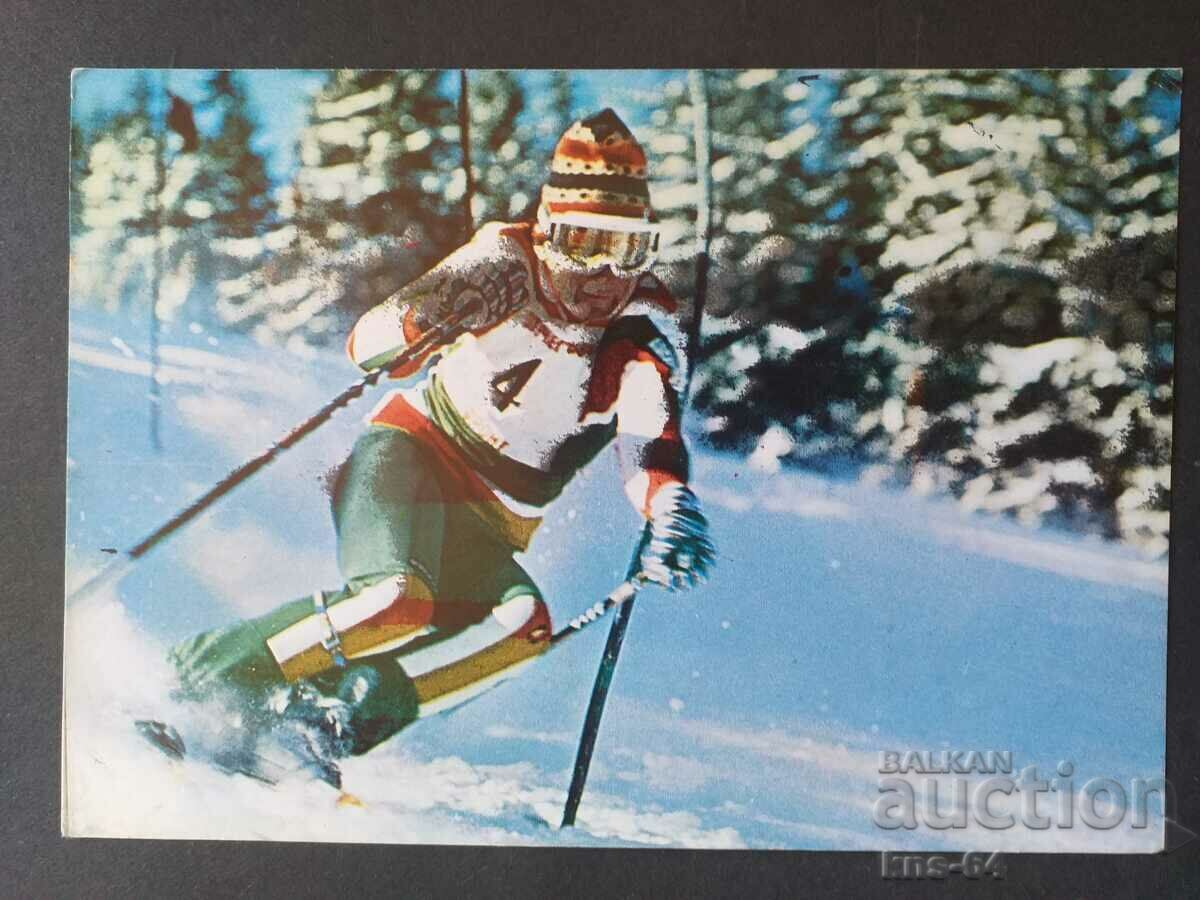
(493, 293)
(678, 553)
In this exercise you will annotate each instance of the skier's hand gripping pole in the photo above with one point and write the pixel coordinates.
(675, 552)
(438, 335)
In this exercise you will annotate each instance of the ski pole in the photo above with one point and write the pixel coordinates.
(112, 573)
(623, 597)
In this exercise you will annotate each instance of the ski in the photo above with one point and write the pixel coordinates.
(231, 759)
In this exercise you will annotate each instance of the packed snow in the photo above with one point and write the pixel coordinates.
(843, 619)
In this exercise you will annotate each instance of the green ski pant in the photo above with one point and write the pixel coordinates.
(392, 519)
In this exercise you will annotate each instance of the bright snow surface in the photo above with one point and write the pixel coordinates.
(842, 620)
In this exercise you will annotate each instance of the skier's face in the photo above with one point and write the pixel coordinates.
(594, 296)
(601, 294)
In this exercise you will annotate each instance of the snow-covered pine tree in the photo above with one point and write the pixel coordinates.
(178, 237)
(507, 168)
(233, 176)
(937, 170)
(1125, 295)
(80, 153)
(217, 201)
(370, 207)
(376, 156)
(1109, 162)
(1050, 398)
(787, 364)
(702, 257)
(1008, 404)
(115, 196)
(559, 111)
(956, 318)
(378, 195)
(958, 197)
(548, 111)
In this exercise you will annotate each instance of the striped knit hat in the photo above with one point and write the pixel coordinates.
(598, 177)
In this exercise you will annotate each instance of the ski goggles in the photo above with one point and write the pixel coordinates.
(587, 250)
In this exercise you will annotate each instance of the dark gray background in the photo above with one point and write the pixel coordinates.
(40, 42)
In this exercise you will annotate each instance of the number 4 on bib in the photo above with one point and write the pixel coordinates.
(509, 383)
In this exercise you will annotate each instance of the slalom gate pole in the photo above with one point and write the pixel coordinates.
(112, 573)
(622, 597)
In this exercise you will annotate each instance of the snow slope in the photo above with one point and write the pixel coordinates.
(843, 620)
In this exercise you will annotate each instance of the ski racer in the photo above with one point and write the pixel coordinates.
(558, 357)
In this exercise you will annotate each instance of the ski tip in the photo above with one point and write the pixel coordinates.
(347, 799)
(163, 736)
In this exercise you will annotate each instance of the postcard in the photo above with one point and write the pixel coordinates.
(729, 458)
